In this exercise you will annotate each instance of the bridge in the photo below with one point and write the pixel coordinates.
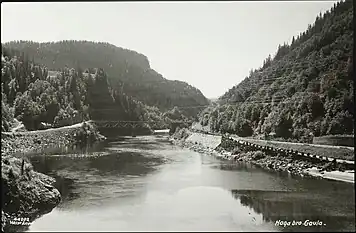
(134, 124)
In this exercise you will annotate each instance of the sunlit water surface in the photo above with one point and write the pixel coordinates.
(148, 184)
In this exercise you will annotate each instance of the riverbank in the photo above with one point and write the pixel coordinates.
(337, 152)
(27, 194)
(265, 157)
(36, 141)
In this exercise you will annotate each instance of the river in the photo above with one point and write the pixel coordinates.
(148, 184)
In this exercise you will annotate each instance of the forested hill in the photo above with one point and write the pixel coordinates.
(40, 98)
(306, 87)
(128, 71)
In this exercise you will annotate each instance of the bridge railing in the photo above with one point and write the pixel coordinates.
(133, 124)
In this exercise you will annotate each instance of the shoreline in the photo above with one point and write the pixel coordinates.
(276, 160)
(28, 194)
(35, 141)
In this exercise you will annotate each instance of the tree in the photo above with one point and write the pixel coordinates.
(74, 90)
(315, 106)
(284, 126)
(27, 111)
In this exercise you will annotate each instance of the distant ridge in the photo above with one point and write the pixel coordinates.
(128, 71)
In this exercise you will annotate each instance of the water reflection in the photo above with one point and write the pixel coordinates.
(127, 163)
(297, 206)
(233, 166)
(92, 177)
(66, 187)
(142, 143)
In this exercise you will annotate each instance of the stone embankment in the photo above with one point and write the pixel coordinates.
(28, 194)
(271, 158)
(36, 141)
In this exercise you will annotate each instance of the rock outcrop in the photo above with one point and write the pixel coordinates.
(25, 192)
(28, 194)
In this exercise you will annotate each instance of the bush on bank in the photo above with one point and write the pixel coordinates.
(87, 134)
(181, 133)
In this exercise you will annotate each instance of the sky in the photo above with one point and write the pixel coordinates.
(210, 45)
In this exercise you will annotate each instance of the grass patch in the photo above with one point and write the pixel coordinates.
(335, 140)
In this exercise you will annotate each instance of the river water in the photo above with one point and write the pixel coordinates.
(148, 184)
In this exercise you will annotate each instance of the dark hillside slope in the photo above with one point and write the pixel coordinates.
(37, 97)
(128, 71)
(305, 89)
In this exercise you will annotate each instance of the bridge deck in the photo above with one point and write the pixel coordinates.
(131, 124)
